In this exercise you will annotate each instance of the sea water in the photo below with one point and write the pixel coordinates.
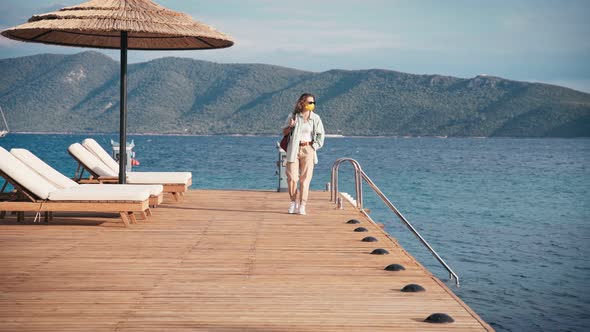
(510, 216)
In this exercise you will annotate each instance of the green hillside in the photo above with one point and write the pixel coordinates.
(80, 93)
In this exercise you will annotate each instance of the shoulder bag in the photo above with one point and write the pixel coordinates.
(285, 141)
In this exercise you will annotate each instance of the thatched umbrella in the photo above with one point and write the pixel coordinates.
(120, 24)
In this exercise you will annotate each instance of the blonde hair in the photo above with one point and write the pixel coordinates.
(300, 105)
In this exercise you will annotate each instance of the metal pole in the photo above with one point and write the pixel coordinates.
(3, 118)
(123, 111)
(282, 170)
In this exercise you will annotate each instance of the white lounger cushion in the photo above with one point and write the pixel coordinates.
(98, 151)
(91, 161)
(159, 177)
(46, 171)
(88, 193)
(24, 176)
(154, 189)
(61, 181)
(43, 189)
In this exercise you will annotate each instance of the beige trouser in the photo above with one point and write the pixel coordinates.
(300, 170)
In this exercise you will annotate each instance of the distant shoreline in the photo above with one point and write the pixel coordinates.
(229, 135)
(267, 135)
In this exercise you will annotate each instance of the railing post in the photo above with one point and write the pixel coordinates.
(359, 184)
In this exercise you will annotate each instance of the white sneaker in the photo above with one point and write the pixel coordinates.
(302, 210)
(292, 207)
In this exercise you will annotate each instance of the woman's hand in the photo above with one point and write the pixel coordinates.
(288, 129)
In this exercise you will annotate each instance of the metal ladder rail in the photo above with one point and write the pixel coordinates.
(357, 177)
(4, 118)
(452, 274)
(360, 174)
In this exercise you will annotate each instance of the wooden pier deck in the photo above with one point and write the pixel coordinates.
(217, 261)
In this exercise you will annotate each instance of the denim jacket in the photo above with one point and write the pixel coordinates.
(317, 133)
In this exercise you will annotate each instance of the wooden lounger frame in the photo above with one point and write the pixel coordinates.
(18, 203)
(175, 189)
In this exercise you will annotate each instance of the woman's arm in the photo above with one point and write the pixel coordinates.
(289, 124)
(318, 140)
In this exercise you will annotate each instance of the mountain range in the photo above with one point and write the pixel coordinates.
(80, 93)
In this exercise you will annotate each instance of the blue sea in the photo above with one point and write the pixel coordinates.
(510, 216)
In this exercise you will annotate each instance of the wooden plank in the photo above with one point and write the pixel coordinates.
(216, 261)
(101, 206)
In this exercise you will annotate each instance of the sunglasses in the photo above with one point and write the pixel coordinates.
(311, 102)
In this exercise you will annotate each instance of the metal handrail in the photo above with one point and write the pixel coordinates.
(4, 118)
(359, 175)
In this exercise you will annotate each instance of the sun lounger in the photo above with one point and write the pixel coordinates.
(103, 169)
(37, 194)
(136, 177)
(61, 181)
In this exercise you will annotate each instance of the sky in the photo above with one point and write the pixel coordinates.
(525, 40)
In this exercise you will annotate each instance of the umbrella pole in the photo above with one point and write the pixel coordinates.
(123, 111)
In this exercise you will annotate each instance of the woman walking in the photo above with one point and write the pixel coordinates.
(307, 136)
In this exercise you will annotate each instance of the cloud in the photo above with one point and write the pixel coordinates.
(18, 12)
(546, 40)
(546, 29)
(7, 43)
(308, 38)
